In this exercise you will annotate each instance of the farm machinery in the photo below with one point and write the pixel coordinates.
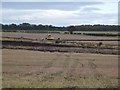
(49, 39)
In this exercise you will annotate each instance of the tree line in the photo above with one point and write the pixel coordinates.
(33, 27)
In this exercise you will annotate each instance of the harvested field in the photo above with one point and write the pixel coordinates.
(23, 68)
(62, 36)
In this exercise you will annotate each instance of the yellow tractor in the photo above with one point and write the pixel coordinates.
(49, 37)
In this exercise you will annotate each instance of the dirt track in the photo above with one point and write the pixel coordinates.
(23, 68)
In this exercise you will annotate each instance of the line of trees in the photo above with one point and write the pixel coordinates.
(33, 27)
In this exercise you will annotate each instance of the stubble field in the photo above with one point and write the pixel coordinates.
(24, 68)
(39, 36)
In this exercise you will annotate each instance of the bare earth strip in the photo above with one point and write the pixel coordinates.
(23, 68)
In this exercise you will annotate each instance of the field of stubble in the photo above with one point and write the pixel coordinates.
(23, 68)
(38, 36)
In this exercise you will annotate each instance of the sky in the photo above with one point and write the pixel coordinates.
(60, 13)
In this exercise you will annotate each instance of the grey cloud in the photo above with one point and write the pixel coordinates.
(48, 5)
(90, 9)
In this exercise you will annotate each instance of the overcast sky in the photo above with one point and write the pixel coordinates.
(60, 13)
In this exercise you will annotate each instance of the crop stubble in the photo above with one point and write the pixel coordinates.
(22, 68)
